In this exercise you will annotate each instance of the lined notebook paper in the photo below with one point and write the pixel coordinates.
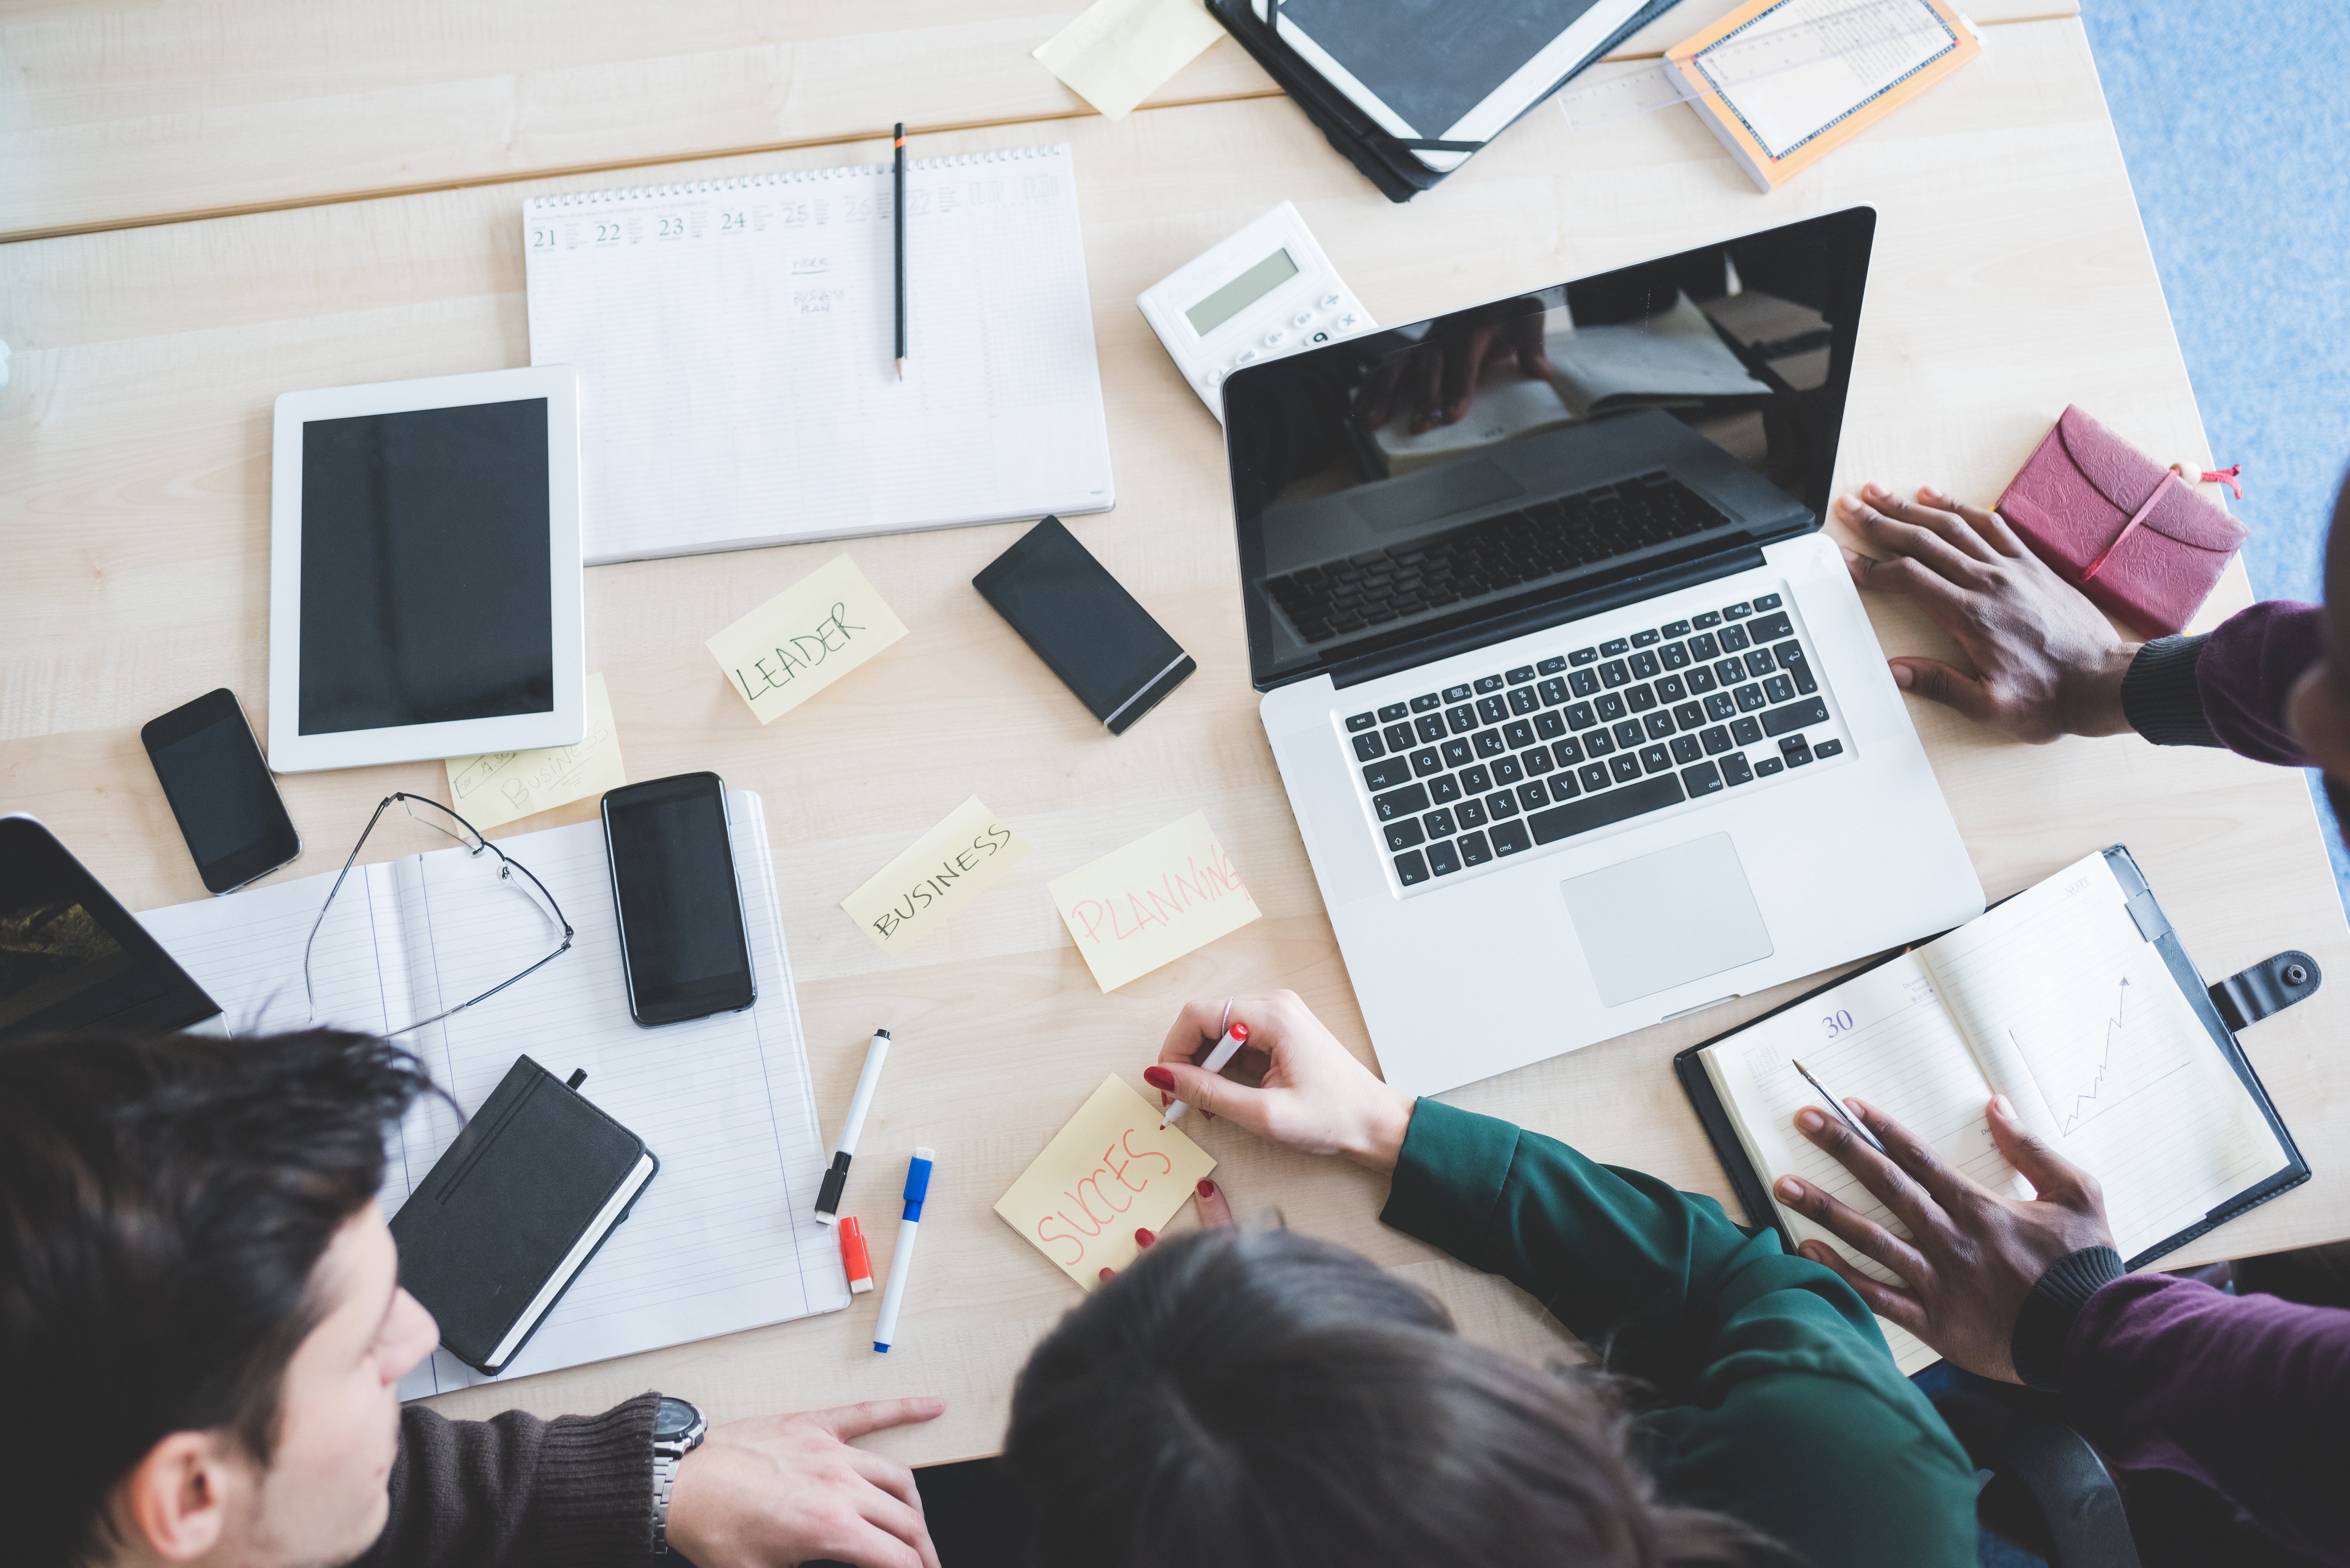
(725, 1238)
(735, 345)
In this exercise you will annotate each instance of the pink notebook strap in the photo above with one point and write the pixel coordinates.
(2170, 477)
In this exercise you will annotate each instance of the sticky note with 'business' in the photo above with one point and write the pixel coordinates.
(945, 871)
(805, 639)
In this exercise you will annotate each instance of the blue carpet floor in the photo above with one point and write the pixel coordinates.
(2232, 120)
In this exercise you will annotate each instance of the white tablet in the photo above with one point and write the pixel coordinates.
(424, 570)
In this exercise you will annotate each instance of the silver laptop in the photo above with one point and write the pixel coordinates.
(1582, 722)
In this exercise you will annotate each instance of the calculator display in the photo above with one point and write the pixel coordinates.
(1240, 293)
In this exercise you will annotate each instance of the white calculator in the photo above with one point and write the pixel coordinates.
(1266, 291)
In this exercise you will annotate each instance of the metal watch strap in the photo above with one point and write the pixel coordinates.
(664, 1478)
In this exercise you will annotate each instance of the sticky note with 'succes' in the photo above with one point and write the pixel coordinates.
(805, 639)
(1151, 902)
(498, 787)
(1111, 1170)
(945, 871)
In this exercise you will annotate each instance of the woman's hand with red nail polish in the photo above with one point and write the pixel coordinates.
(1215, 1212)
(1308, 1090)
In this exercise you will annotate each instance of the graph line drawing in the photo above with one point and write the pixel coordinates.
(2082, 1102)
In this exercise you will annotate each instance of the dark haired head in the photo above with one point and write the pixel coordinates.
(163, 1204)
(1255, 1399)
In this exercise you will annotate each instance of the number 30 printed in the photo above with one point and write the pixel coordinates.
(1837, 1023)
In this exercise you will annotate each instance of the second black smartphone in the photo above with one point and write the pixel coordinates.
(1083, 623)
(683, 945)
(220, 789)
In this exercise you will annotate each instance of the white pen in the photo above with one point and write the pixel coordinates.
(1229, 1046)
(1838, 1106)
(828, 1196)
(902, 1258)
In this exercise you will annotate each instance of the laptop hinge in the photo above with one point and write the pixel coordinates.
(1534, 618)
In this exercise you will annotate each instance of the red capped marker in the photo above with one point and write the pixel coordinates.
(1226, 1049)
(853, 1255)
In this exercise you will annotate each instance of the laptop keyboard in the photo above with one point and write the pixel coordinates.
(1339, 598)
(1581, 741)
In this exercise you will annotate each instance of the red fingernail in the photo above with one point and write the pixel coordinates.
(1107, 1273)
(1142, 1236)
(1207, 1187)
(1159, 1077)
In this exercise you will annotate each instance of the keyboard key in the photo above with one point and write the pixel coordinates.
(1428, 703)
(1640, 699)
(1730, 672)
(1592, 776)
(1563, 787)
(1805, 684)
(1715, 740)
(1766, 601)
(1524, 672)
(1444, 789)
(1770, 627)
(1779, 689)
(1614, 674)
(1611, 649)
(1502, 805)
(1794, 743)
(1709, 618)
(1392, 711)
(1676, 629)
(1549, 726)
(1750, 698)
(1475, 850)
(1700, 680)
(1567, 752)
(1509, 837)
(1734, 639)
(1535, 762)
(1552, 665)
(1671, 688)
(1759, 662)
(1828, 749)
(1738, 611)
(1425, 761)
(1584, 681)
(1660, 725)
(1720, 706)
(1702, 779)
(1461, 719)
(1746, 731)
(1489, 683)
(1685, 750)
(1603, 810)
(1674, 656)
(1553, 692)
(1799, 758)
(1408, 801)
(1626, 769)
(1597, 744)
(1456, 694)
(1470, 813)
(1522, 701)
(1399, 737)
(1489, 743)
(1583, 656)
(1403, 835)
(1411, 870)
(1387, 773)
(1439, 824)
(1456, 753)
(1769, 765)
(1689, 716)
(1644, 664)
(1646, 638)
(1579, 716)
(1506, 770)
(1629, 733)
(1477, 780)
(1610, 706)
(1362, 722)
(1734, 769)
(1443, 859)
(1533, 795)
(1794, 716)
(1655, 759)
(1704, 649)
(1492, 709)
(1368, 747)
(1430, 726)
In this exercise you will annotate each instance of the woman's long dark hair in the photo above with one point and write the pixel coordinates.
(1256, 1399)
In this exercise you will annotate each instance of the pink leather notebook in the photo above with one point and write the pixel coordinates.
(2132, 535)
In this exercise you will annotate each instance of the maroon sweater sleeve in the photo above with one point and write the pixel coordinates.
(2227, 688)
(2249, 1395)
(518, 1492)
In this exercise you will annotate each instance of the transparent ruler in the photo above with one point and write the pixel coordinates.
(1851, 31)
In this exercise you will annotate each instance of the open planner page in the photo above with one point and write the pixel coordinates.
(2075, 1017)
(724, 1238)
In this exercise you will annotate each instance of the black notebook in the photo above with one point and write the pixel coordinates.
(2076, 1000)
(511, 1213)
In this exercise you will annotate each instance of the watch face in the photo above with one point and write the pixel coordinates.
(673, 1420)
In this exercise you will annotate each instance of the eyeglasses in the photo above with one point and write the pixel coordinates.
(465, 834)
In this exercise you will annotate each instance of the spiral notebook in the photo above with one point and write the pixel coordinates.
(735, 345)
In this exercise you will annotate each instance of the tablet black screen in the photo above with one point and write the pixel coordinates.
(425, 595)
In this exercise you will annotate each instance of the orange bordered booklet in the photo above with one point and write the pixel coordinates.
(1783, 82)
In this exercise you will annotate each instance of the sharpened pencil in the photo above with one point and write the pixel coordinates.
(898, 213)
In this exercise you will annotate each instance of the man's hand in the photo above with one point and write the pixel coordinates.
(2047, 661)
(776, 1491)
(1436, 381)
(1311, 1092)
(1972, 1256)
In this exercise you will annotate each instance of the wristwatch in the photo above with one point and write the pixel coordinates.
(678, 1430)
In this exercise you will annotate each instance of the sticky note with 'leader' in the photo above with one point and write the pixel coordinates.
(1112, 1168)
(1151, 902)
(805, 639)
(944, 872)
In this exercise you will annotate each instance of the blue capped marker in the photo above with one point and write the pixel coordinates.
(902, 1260)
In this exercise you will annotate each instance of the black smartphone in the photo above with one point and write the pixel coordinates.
(1067, 607)
(220, 789)
(682, 942)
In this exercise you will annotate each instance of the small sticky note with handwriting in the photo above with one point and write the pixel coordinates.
(1151, 902)
(1118, 52)
(498, 787)
(1112, 1168)
(943, 874)
(805, 639)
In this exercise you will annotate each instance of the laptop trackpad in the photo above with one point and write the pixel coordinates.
(1665, 919)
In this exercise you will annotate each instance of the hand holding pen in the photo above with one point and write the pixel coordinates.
(1310, 1092)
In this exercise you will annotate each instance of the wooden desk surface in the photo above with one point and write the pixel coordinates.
(2010, 277)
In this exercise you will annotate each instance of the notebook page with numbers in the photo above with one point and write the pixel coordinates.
(2076, 1001)
(735, 341)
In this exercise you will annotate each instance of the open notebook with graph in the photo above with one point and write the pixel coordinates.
(724, 1238)
(2076, 1001)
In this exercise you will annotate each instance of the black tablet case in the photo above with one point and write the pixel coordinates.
(503, 1207)
(1384, 161)
(2156, 928)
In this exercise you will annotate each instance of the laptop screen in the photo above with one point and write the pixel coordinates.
(1398, 489)
(73, 957)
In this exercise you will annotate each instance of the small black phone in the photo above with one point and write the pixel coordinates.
(682, 942)
(1067, 607)
(220, 789)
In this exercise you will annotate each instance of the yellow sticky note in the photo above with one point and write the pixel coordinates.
(805, 639)
(1117, 51)
(1112, 1168)
(944, 872)
(1151, 902)
(497, 787)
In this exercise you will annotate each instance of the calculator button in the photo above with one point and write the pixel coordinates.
(1302, 318)
(1245, 357)
(1346, 323)
(1320, 337)
(1329, 302)
(1213, 378)
(1275, 338)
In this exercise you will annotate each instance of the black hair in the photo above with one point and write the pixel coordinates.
(1257, 1399)
(163, 1204)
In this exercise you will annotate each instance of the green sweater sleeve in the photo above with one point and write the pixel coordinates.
(1778, 1402)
